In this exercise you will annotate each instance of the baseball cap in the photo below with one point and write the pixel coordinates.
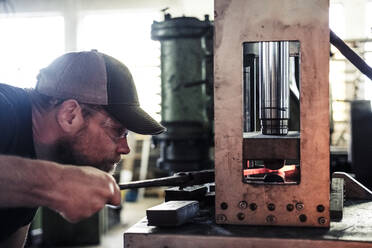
(92, 77)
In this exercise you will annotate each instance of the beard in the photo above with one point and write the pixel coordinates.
(70, 150)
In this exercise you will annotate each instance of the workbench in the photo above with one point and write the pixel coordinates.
(355, 230)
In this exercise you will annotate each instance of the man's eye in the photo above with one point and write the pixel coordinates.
(121, 132)
(118, 131)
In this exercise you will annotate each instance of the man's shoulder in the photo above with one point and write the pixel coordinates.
(9, 92)
(13, 99)
(15, 121)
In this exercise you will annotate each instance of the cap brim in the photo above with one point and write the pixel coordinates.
(135, 119)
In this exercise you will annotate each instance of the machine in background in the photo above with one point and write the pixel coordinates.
(186, 93)
(361, 146)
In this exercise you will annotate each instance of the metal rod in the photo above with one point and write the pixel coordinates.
(164, 181)
(274, 87)
(354, 58)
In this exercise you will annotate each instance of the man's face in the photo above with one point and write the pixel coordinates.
(99, 143)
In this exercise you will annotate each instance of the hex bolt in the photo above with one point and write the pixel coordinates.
(322, 220)
(243, 204)
(300, 206)
(320, 208)
(303, 218)
(271, 219)
(290, 207)
(271, 206)
(224, 205)
(241, 216)
(253, 206)
(221, 218)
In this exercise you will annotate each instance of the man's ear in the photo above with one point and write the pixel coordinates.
(69, 116)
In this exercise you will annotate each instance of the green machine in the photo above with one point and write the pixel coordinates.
(187, 92)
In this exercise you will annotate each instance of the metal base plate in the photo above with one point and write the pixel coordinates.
(353, 231)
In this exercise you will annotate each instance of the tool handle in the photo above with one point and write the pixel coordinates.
(164, 181)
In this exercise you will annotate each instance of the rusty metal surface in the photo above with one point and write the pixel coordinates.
(285, 147)
(242, 21)
(353, 231)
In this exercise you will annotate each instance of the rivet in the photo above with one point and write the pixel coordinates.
(290, 207)
(241, 216)
(303, 218)
(224, 205)
(253, 206)
(320, 208)
(271, 206)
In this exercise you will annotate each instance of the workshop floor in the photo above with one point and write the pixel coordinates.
(131, 214)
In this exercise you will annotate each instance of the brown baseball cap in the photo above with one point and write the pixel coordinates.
(92, 77)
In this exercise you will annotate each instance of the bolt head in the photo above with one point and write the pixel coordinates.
(290, 207)
(300, 206)
(221, 218)
(322, 220)
(303, 218)
(320, 208)
(224, 205)
(241, 216)
(253, 206)
(243, 204)
(271, 206)
(271, 219)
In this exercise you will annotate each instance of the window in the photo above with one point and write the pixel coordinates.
(368, 50)
(337, 78)
(28, 43)
(127, 37)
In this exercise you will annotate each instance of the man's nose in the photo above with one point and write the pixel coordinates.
(122, 146)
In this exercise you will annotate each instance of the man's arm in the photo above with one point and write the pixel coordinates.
(76, 192)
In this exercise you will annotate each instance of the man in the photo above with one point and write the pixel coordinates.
(79, 113)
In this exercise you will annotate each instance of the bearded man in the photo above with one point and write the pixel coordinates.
(59, 141)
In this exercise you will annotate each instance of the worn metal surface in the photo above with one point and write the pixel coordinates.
(354, 231)
(337, 199)
(196, 193)
(172, 213)
(284, 147)
(242, 21)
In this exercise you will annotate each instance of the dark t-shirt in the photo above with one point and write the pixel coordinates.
(15, 139)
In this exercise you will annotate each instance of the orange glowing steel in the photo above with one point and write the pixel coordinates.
(281, 171)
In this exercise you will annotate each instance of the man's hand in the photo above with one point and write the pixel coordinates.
(82, 191)
(76, 192)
